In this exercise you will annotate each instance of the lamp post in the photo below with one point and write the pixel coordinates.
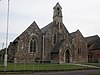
(5, 58)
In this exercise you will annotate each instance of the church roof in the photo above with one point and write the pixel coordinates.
(73, 34)
(90, 40)
(44, 29)
(96, 45)
(57, 46)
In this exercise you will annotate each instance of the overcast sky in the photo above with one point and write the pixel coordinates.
(77, 14)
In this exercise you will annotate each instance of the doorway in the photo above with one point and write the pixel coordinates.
(67, 56)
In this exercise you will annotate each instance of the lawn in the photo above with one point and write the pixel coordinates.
(42, 67)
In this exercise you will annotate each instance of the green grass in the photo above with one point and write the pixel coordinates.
(29, 68)
(42, 67)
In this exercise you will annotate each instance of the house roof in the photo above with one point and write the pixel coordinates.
(92, 39)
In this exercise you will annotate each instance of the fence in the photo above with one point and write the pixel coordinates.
(38, 66)
(94, 60)
(29, 66)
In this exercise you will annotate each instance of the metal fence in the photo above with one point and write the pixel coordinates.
(94, 60)
(25, 66)
(35, 66)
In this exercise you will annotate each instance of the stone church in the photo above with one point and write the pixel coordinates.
(51, 43)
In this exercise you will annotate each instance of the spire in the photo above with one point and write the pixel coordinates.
(57, 14)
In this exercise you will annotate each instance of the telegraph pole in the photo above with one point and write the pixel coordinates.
(5, 58)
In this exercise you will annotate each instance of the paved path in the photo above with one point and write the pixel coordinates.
(88, 66)
(83, 72)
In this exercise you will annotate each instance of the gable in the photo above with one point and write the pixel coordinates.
(78, 34)
(33, 28)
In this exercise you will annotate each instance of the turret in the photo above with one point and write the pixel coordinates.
(57, 14)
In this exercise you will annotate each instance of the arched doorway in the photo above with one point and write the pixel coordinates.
(67, 56)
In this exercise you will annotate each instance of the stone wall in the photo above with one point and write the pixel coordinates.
(81, 47)
(95, 55)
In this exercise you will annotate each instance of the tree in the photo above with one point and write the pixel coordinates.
(2, 53)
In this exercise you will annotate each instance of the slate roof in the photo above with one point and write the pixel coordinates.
(57, 46)
(96, 45)
(73, 34)
(92, 39)
(44, 29)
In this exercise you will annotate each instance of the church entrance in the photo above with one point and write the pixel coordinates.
(67, 56)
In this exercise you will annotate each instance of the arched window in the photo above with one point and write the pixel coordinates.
(33, 45)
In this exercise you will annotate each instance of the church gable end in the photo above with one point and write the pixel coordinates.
(26, 47)
(80, 45)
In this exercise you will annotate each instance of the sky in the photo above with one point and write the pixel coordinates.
(77, 14)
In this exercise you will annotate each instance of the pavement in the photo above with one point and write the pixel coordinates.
(88, 66)
(80, 72)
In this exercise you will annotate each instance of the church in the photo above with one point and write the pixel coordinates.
(52, 43)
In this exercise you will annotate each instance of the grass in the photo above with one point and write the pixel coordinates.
(42, 67)
(29, 68)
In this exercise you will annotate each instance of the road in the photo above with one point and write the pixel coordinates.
(83, 72)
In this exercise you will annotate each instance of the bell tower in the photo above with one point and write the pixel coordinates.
(57, 13)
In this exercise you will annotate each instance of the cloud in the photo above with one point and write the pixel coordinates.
(77, 14)
(11, 37)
